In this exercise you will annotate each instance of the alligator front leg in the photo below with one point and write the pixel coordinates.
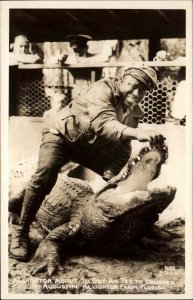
(47, 256)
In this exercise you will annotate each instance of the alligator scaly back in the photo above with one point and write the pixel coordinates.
(67, 195)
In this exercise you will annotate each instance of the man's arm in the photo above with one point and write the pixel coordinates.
(138, 134)
(103, 117)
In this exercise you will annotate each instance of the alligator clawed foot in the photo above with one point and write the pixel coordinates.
(165, 191)
(46, 258)
(148, 244)
(159, 234)
(175, 235)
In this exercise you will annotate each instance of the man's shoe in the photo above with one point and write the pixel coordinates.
(19, 247)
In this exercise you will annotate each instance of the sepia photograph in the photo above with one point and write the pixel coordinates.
(96, 144)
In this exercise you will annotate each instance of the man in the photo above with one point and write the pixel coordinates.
(80, 54)
(95, 131)
(78, 43)
(57, 102)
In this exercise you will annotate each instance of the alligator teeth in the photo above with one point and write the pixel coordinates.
(133, 163)
(124, 175)
(138, 158)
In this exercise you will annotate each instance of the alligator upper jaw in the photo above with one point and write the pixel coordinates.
(156, 144)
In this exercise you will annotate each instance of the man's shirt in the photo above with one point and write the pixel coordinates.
(99, 112)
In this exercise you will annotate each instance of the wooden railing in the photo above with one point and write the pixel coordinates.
(174, 63)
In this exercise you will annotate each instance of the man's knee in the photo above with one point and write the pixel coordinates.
(45, 177)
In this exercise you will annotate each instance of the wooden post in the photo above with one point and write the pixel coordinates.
(93, 76)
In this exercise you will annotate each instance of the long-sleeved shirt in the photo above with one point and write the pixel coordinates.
(98, 113)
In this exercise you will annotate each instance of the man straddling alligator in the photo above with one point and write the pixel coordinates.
(95, 131)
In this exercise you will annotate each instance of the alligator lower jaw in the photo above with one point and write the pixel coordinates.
(155, 145)
(126, 171)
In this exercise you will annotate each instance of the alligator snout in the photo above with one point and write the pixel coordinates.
(158, 143)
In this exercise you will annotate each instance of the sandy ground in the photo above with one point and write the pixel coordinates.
(158, 269)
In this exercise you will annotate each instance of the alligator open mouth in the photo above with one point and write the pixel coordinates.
(158, 145)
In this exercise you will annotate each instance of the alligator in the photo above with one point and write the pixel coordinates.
(109, 221)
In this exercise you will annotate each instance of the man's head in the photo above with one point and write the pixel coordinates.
(79, 43)
(21, 45)
(135, 84)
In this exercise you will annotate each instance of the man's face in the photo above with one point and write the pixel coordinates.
(80, 50)
(132, 91)
(21, 46)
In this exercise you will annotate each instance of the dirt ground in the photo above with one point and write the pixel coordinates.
(156, 270)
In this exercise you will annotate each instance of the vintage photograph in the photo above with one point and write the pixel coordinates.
(96, 149)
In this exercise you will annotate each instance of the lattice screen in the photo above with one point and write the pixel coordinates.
(157, 104)
(32, 101)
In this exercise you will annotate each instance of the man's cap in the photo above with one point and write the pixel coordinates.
(77, 40)
(146, 75)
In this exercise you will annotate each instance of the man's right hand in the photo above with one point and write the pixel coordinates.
(141, 135)
(146, 135)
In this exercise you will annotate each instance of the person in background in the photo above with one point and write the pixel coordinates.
(178, 106)
(81, 55)
(57, 102)
(22, 52)
(94, 131)
(178, 113)
(78, 43)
